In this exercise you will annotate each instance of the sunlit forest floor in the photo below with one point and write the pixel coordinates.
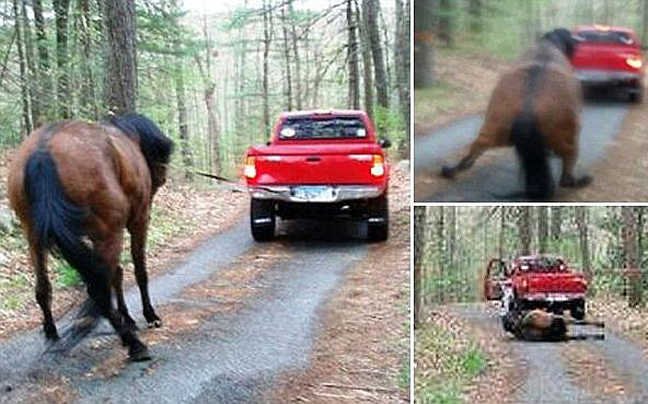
(183, 215)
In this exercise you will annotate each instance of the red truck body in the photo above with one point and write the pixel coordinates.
(544, 281)
(319, 164)
(609, 57)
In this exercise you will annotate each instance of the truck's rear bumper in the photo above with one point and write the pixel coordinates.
(554, 297)
(338, 193)
(594, 78)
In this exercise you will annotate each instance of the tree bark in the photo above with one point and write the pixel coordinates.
(28, 125)
(352, 57)
(441, 254)
(402, 53)
(556, 222)
(583, 237)
(631, 256)
(543, 228)
(121, 75)
(371, 9)
(266, 52)
(524, 229)
(296, 58)
(419, 244)
(44, 86)
(61, 11)
(183, 126)
(288, 82)
(366, 64)
(88, 91)
(423, 36)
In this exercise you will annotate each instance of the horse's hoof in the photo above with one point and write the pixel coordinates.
(155, 323)
(447, 172)
(138, 353)
(576, 182)
(51, 334)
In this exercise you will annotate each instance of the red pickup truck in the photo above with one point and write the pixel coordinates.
(319, 165)
(609, 57)
(545, 282)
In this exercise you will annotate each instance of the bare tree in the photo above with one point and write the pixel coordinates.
(543, 228)
(61, 11)
(524, 229)
(631, 255)
(419, 244)
(371, 9)
(583, 237)
(121, 75)
(352, 56)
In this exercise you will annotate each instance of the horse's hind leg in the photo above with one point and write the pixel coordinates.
(43, 291)
(118, 279)
(110, 251)
(477, 148)
(568, 154)
(138, 251)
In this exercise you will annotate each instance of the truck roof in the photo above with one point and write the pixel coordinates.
(597, 27)
(323, 112)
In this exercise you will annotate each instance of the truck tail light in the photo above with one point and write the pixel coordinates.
(250, 167)
(525, 284)
(378, 167)
(634, 62)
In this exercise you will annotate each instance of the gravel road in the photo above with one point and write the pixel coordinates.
(230, 357)
(500, 177)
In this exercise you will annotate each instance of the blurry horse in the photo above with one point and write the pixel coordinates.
(75, 187)
(535, 107)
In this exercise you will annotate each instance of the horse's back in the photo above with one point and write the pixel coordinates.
(100, 169)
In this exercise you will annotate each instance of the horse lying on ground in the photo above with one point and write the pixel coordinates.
(535, 107)
(75, 186)
(539, 325)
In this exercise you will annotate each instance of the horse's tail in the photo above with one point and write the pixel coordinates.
(57, 222)
(533, 154)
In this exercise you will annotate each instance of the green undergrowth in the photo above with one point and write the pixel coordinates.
(446, 364)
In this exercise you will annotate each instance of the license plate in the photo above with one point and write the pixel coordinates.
(314, 193)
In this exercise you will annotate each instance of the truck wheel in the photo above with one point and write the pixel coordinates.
(636, 96)
(262, 219)
(578, 311)
(378, 221)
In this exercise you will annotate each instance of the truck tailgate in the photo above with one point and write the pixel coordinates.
(599, 56)
(318, 164)
(556, 283)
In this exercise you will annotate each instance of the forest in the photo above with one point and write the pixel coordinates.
(453, 245)
(213, 81)
(504, 28)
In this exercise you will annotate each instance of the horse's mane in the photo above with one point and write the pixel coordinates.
(155, 146)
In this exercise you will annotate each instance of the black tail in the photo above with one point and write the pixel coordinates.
(533, 155)
(57, 223)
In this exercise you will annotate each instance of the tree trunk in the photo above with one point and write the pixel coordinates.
(366, 64)
(371, 9)
(423, 35)
(452, 236)
(121, 75)
(22, 62)
(296, 58)
(543, 228)
(61, 11)
(556, 222)
(583, 237)
(352, 57)
(502, 230)
(631, 256)
(44, 96)
(419, 244)
(266, 52)
(441, 254)
(288, 83)
(524, 229)
(402, 53)
(88, 92)
(183, 127)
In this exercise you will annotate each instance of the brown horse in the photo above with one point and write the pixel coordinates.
(535, 107)
(75, 187)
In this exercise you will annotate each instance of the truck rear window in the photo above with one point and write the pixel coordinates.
(545, 264)
(327, 128)
(607, 37)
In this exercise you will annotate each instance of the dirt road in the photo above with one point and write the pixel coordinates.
(236, 316)
(612, 371)
(496, 176)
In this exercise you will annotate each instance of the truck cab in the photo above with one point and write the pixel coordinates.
(319, 165)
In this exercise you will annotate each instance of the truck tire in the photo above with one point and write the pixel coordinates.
(262, 219)
(378, 219)
(578, 311)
